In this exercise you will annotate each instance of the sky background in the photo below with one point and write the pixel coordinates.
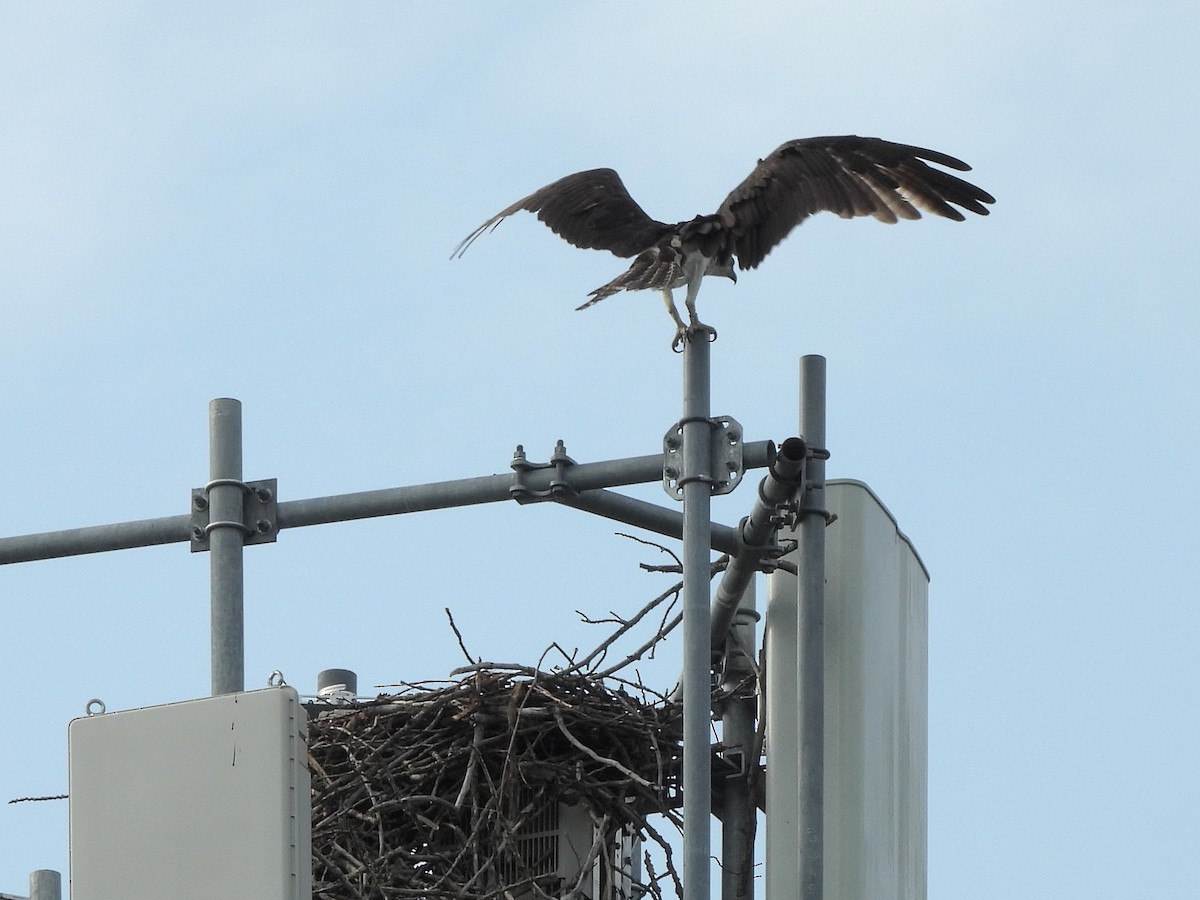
(259, 201)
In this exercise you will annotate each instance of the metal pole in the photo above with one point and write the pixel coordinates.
(697, 654)
(45, 884)
(782, 721)
(487, 489)
(739, 815)
(226, 541)
(649, 516)
(777, 490)
(811, 633)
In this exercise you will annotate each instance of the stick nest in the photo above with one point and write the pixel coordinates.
(425, 793)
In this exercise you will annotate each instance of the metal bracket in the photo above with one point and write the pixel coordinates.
(737, 763)
(726, 465)
(260, 513)
(521, 466)
(801, 508)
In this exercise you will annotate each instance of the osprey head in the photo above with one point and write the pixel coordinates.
(724, 268)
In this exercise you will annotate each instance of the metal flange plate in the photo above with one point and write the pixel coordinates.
(259, 514)
(726, 467)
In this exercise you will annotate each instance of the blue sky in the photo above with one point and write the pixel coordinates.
(258, 201)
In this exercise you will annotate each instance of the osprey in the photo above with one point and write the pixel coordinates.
(848, 175)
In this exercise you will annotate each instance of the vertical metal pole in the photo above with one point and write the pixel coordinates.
(739, 815)
(226, 540)
(782, 721)
(45, 884)
(697, 482)
(811, 633)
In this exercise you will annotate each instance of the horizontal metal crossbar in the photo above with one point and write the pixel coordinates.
(581, 478)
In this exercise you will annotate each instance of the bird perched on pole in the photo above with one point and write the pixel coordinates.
(848, 175)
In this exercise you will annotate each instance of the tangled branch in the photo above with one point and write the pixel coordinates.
(431, 793)
(450, 789)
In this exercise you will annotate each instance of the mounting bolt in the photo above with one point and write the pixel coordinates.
(262, 526)
(198, 533)
(200, 501)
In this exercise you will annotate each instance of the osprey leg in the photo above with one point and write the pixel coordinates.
(669, 300)
(690, 302)
(696, 327)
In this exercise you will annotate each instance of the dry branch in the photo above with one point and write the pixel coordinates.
(431, 792)
(424, 793)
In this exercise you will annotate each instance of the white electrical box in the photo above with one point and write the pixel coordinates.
(202, 799)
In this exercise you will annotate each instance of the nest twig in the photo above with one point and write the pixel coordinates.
(436, 791)
(425, 793)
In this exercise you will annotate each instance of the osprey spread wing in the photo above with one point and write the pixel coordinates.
(848, 175)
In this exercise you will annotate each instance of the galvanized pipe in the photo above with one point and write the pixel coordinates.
(739, 815)
(696, 480)
(488, 489)
(648, 516)
(782, 726)
(811, 634)
(226, 543)
(779, 488)
(359, 505)
(95, 539)
(45, 884)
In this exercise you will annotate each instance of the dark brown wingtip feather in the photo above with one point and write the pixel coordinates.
(951, 188)
(847, 175)
(491, 224)
(942, 159)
